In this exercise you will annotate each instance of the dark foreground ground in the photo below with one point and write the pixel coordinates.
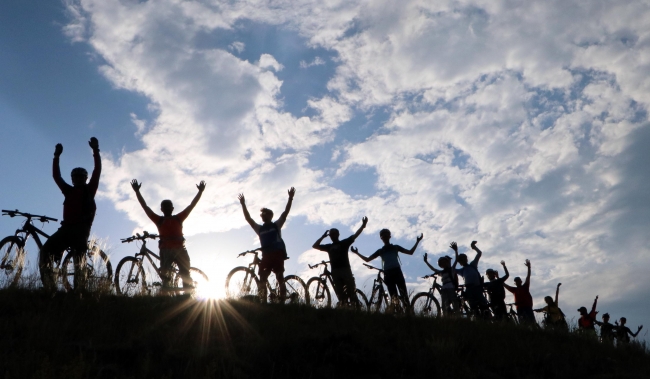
(108, 336)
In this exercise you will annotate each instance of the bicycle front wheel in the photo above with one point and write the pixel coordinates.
(242, 283)
(425, 305)
(319, 294)
(296, 290)
(12, 260)
(199, 282)
(98, 271)
(129, 277)
(362, 301)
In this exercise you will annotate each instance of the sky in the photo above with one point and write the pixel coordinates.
(520, 124)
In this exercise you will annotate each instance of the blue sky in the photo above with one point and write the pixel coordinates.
(522, 125)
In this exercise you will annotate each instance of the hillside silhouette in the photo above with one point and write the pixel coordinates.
(173, 337)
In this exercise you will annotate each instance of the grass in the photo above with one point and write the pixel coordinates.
(105, 336)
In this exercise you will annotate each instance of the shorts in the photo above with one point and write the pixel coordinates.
(474, 296)
(449, 300)
(271, 262)
(394, 280)
(177, 255)
(344, 284)
(74, 237)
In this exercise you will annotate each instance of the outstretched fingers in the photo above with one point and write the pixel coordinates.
(420, 237)
(241, 198)
(201, 186)
(94, 143)
(135, 185)
(292, 192)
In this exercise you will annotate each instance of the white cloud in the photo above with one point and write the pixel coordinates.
(318, 61)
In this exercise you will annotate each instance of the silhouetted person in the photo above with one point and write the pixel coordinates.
(555, 318)
(587, 320)
(523, 299)
(623, 333)
(393, 276)
(449, 279)
(473, 281)
(78, 214)
(607, 330)
(170, 229)
(274, 251)
(344, 284)
(497, 292)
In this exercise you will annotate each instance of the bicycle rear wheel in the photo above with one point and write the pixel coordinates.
(296, 290)
(99, 271)
(319, 293)
(241, 282)
(129, 277)
(362, 301)
(199, 282)
(12, 261)
(425, 305)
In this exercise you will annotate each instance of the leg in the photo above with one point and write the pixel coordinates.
(339, 284)
(166, 261)
(278, 270)
(51, 251)
(350, 288)
(263, 274)
(182, 259)
(404, 296)
(79, 250)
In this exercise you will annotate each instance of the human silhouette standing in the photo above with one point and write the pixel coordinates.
(555, 318)
(274, 251)
(497, 291)
(607, 330)
(523, 299)
(623, 333)
(393, 276)
(78, 214)
(344, 285)
(587, 320)
(449, 281)
(170, 229)
(473, 286)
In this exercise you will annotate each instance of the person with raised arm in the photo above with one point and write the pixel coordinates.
(449, 281)
(344, 284)
(497, 292)
(555, 318)
(78, 215)
(393, 276)
(170, 230)
(623, 333)
(587, 320)
(607, 330)
(274, 251)
(523, 299)
(473, 281)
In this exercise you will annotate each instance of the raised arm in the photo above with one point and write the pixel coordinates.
(479, 253)
(364, 221)
(637, 332)
(364, 258)
(201, 188)
(93, 183)
(136, 188)
(527, 282)
(557, 294)
(283, 216)
(317, 244)
(431, 267)
(247, 216)
(56, 170)
(454, 246)
(410, 252)
(505, 269)
(593, 307)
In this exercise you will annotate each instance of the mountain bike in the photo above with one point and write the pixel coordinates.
(97, 272)
(242, 282)
(425, 303)
(512, 314)
(131, 278)
(379, 301)
(484, 313)
(319, 293)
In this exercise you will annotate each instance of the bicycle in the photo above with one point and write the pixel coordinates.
(380, 301)
(131, 279)
(511, 315)
(319, 293)
(480, 313)
(425, 304)
(243, 283)
(97, 266)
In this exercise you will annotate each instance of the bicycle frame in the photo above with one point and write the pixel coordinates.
(378, 288)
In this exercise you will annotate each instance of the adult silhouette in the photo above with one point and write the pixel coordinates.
(170, 229)
(623, 333)
(607, 330)
(588, 319)
(342, 277)
(448, 295)
(473, 285)
(554, 316)
(78, 214)
(497, 291)
(523, 298)
(274, 251)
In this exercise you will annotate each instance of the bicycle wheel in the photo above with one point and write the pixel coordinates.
(129, 277)
(242, 283)
(12, 260)
(362, 301)
(296, 290)
(319, 294)
(99, 271)
(378, 301)
(425, 305)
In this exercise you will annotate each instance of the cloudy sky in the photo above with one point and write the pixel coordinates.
(519, 124)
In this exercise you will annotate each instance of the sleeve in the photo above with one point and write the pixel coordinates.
(93, 183)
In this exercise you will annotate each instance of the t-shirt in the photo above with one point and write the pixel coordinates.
(495, 290)
(388, 254)
(448, 278)
(587, 322)
(623, 334)
(606, 330)
(554, 313)
(522, 295)
(338, 252)
(470, 273)
(270, 236)
(79, 205)
(170, 229)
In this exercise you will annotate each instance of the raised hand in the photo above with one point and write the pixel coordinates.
(503, 263)
(201, 186)
(354, 250)
(473, 244)
(135, 185)
(58, 149)
(640, 327)
(454, 246)
(94, 144)
(527, 264)
(364, 220)
(418, 239)
(292, 192)
(558, 285)
(327, 233)
(241, 198)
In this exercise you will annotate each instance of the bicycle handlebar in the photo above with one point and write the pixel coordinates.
(254, 251)
(373, 267)
(430, 276)
(317, 264)
(139, 237)
(14, 213)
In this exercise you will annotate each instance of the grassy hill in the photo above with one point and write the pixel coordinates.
(109, 336)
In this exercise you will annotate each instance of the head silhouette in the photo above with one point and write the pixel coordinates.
(548, 300)
(491, 273)
(606, 317)
(462, 259)
(334, 235)
(583, 311)
(518, 281)
(384, 234)
(166, 207)
(79, 176)
(623, 321)
(444, 262)
(266, 214)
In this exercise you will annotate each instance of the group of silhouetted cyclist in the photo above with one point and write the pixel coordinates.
(79, 212)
